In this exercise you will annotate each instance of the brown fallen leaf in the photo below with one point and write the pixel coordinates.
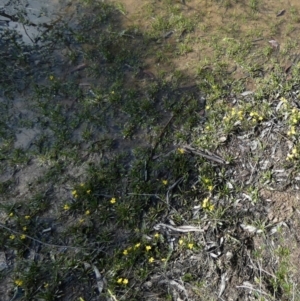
(281, 13)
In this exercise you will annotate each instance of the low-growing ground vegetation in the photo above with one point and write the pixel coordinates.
(150, 151)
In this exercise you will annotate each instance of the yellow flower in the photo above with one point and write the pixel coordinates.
(66, 207)
(207, 107)
(165, 182)
(81, 299)
(210, 187)
(151, 259)
(27, 216)
(137, 245)
(12, 236)
(74, 192)
(88, 191)
(51, 77)
(113, 200)
(125, 281)
(120, 280)
(163, 259)
(125, 252)
(87, 212)
(82, 185)
(283, 99)
(112, 92)
(156, 235)
(211, 207)
(19, 282)
(181, 150)
(24, 228)
(46, 284)
(11, 214)
(81, 220)
(148, 248)
(180, 241)
(23, 236)
(190, 246)
(205, 203)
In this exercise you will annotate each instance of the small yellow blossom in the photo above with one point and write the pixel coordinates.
(87, 212)
(24, 228)
(283, 99)
(137, 245)
(74, 192)
(12, 236)
(11, 214)
(81, 299)
(148, 248)
(27, 216)
(181, 150)
(23, 236)
(180, 241)
(294, 151)
(205, 203)
(190, 246)
(19, 282)
(66, 207)
(125, 252)
(163, 259)
(120, 280)
(125, 281)
(88, 191)
(165, 182)
(156, 235)
(112, 92)
(113, 200)
(82, 185)
(46, 284)
(51, 77)
(210, 187)
(151, 259)
(81, 220)
(207, 107)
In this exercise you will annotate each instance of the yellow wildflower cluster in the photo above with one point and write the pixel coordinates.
(295, 116)
(18, 282)
(113, 200)
(208, 184)
(294, 154)
(189, 245)
(74, 193)
(122, 281)
(291, 131)
(136, 246)
(256, 117)
(234, 114)
(207, 205)
(66, 207)
(181, 150)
